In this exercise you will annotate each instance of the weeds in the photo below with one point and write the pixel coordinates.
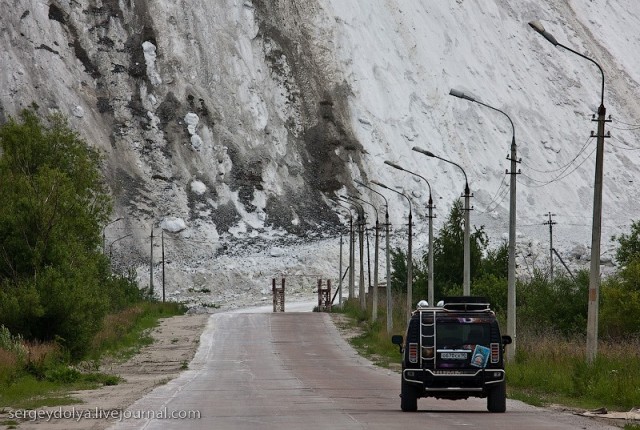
(556, 366)
(34, 374)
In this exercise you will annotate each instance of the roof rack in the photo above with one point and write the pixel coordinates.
(466, 303)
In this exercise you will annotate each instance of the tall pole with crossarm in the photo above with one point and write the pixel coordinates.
(511, 267)
(596, 231)
(388, 285)
(466, 273)
(374, 295)
(350, 252)
(430, 286)
(362, 226)
(409, 252)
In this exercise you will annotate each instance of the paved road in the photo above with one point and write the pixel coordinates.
(294, 371)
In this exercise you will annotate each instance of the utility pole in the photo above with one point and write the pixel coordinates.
(162, 241)
(151, 266)
(550, 223)
(376, 255)
(361, 290)
(511, 267)
(388, 287)
(352, 260)
(340, 273)
(430, 207)
(596, 229)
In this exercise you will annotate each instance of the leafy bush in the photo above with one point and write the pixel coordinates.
(493, 288)
(55, 284)
(559, 305)
(628, 245)
(620, 297)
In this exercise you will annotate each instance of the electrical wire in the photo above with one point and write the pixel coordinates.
(495, 201)
(496, 195)
(635, 126)
(557, 178)
(622, 148)
(584, 146)
(624, 128)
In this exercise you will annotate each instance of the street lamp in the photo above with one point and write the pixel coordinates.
(511, 270)
(388, 284)
(596, 230)
(362, 225)
(430, 206)
(118, 239)
(409, 253)
(374, 295)
(466, 277)
(351, 240)
(104, 249)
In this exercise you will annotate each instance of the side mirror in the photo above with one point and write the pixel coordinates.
(398, 340)
(506, 339)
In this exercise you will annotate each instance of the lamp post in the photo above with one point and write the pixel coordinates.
(596, 230)
(118, 239)
(362, 224)
(104, 249)
(466, 274)
(388, 285)
(409, 252)
(350, 252)
(374, 296)
(511, 267)
(352, 256)
(430, 287)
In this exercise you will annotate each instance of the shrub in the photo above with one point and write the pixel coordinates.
(559, 305)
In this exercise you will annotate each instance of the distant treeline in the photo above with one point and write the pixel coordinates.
(543, 305)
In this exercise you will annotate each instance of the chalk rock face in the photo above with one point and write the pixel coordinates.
(242, 117)
(173, 224)
(211, 91)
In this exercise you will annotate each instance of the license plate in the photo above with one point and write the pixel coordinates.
(453, 356)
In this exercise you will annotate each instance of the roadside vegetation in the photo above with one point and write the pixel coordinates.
(550, 364)
(61, 307)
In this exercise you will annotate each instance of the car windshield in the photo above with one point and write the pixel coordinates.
(455, 335)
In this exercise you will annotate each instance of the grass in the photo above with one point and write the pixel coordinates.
(124, 333)
(373, 341)
(548, 368)
(40, 374)
(553, 369)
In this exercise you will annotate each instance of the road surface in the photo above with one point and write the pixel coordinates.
(294, 371)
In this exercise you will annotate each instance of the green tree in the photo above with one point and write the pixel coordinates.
(398, 270)
(448, 253)
(628, 245)
(496, 262)
(620, 309)
(54, 282)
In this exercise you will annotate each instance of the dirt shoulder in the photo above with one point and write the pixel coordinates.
(176, 340)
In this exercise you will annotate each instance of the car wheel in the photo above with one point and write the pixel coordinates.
(497, 398)
(408, 397)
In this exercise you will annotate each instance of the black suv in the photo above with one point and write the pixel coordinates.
(453, 351)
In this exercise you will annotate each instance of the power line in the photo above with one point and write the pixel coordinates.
(499, 192)
(624, 149)
(566, 166)
(497, 203)
(628, 124)
(557, 178)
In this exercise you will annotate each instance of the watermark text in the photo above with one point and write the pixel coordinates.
(102, 414)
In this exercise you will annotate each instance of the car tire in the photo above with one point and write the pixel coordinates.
(408, 397)
(497, 398)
